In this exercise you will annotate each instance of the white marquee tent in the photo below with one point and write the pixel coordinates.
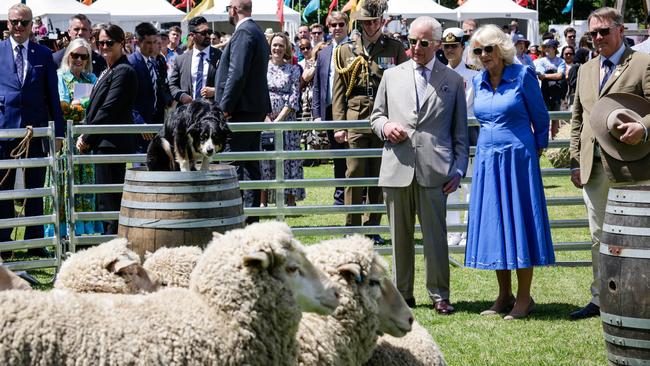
(264, 12)
(57, 12)
(129, 13)
(500, 9)
(415, 8)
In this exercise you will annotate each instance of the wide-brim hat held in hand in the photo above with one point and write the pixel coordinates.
(608, 114)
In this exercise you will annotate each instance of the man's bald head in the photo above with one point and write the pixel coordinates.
(244, 7)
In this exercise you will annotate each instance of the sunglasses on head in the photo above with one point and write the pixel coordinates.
(451, 46)
(337, 25)
(108, 43)
(479, 51)
(23, 22)
(77, 56)
(602, 31)
(423, 42)
(205, 33)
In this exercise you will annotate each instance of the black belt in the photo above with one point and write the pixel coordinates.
(358, 90)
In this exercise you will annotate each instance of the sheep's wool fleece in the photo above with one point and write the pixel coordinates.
(257, 300)
(247, 323)
(416, 348)
(348, 336)
(173, 266)
(86, 270)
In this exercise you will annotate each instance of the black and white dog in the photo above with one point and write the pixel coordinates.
(190, 136)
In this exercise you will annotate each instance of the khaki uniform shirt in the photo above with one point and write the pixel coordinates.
(382, 55)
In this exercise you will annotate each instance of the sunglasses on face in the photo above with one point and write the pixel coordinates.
(305, 48)
(77, 56)
(23, 22)
(337, 25)
(317, 33)
(450, 46)
(228, 7)
(108, 43)
(205, 33)
(568, 54)
(479, 51)
(571, 37)
(604, 32)
(423, 42)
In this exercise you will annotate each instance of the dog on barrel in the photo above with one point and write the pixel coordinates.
(188, 139)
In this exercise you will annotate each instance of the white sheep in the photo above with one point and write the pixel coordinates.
(173, 266)
(11, 281)
(110, 267)
(369, 304)
(416, 348)
(242, 308)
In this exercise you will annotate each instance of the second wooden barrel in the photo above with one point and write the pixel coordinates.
(170, 209)
(625, 275)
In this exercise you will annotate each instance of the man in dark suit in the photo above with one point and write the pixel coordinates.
(153, 92)
(80, 27)
(28, 97)
(242, 89)
(194, 71)
(337, 23)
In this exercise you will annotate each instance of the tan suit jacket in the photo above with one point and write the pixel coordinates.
(437, 144)
(632, 75)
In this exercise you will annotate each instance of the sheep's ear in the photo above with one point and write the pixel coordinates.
(122, 266)
(216, 235)
(259, 259)
(147, 254)
(350, 271)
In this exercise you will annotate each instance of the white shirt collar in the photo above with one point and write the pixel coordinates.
(429, 64)
(241, 21)
(345, 39)
(14, 43)
(206, 52)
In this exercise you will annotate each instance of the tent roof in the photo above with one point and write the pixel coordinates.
(477, 9)
(262, 10)
(57, 9)
(416, 8)
(140, 10)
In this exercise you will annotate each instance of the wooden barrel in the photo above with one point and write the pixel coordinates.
(625, 275)
(170, 209)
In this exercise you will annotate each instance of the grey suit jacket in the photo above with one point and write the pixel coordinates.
(437, 145)
(632, 75)
(180, 79)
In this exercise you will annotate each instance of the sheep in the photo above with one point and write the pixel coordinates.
(242, 308)
(416, 348)
(173, 265)
(11, 281)
(369, 304)
(110, 267)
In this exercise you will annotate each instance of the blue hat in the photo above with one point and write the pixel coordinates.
(551, 43)
(518, 37)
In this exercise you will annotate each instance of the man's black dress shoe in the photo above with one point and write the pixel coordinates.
(588, 311)
(377, 239)
(410, 302)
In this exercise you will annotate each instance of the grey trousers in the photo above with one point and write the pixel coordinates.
(430, 205)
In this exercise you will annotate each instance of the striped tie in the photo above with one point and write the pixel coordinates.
(199, 77)
(154, 79)
(20, 63)
(607, 66)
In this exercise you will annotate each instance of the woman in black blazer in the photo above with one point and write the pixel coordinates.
(111, 102)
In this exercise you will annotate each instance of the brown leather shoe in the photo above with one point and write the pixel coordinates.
(443, 307)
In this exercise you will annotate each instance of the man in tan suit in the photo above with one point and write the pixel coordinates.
(420, 113)
(617, 69)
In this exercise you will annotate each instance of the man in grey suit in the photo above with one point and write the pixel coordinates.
(420, 113)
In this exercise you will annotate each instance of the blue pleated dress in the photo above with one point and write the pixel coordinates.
(508, 223)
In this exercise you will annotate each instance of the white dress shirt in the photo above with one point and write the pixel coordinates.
(25, 47)
(195, 65)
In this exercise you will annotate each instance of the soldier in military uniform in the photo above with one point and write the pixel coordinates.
(453, 44)
(359, 66)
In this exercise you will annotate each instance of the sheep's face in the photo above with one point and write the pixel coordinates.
(11, 281)
(136, 278)
(310, 287)
(395, 317)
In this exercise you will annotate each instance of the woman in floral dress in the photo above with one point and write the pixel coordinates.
(284, 90)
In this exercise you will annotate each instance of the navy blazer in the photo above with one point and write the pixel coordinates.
(99, 64)
(35, 102)
(321, 83)
(111, 102)
(242, 87)
(180, 79)
(144, 102)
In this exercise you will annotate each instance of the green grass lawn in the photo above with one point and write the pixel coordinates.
(547, 337)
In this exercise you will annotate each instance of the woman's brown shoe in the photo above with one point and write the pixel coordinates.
(513, 316)
(495, 309)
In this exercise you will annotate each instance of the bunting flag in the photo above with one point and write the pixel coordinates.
(523, 3)
(350, 6)
(203, 6)
(182, 4)
(280, 13)
(287, 3)
(568, 7)
(461, 2)
(88, 2)
(310, 8)
(333, 5)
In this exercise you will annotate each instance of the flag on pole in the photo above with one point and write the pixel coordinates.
(280, 13)
(203, 6)
(351, 5)
(568, 7)
(310, 8)
(333, 5)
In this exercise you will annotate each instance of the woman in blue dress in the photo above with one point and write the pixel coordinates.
(508, 222)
